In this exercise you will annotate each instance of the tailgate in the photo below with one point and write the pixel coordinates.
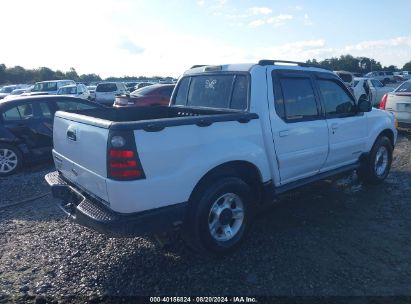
(80, 154)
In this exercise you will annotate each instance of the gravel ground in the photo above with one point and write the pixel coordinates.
(333, 238)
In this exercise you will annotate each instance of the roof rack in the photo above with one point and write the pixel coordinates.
(302, 64)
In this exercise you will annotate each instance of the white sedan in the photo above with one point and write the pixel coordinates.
(75, 90)
(399, 103)
(370, 88)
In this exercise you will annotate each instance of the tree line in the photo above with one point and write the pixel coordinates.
(357, 64)
(18, 74)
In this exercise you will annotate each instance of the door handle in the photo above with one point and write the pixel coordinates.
(284, 133)
(71, 134)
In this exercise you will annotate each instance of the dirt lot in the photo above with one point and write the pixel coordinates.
(331, 238)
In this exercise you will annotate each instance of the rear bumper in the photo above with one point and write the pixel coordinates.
(89, 212)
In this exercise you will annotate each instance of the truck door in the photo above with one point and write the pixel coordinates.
(299, 130)
(347, 128)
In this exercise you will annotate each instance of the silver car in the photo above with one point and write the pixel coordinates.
(399, 103)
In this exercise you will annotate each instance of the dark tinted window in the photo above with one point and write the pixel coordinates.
(336, 100)
(45, 110)
(26, 111)
(404, 88)
(299, 99)
(390, 73)
(240, 93)
(182, 92)
(106, 87)
(11, 114)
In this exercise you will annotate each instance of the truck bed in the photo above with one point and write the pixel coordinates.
(152, 119)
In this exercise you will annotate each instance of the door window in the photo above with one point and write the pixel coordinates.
(11, 114)
(45, 110)
(299, 99)
(26, 111)
(337, 101)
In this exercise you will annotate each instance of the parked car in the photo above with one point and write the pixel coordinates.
(370, 88)
(48, 87)
(142, 85)
(383, 76)
(233, 137)
(398, 77)
(406, 75)
(15, 94)
(154, 95)
(6, 90)
(92, 90)
(399, 103)
(75, 90)
(26, 128)
(106, 92)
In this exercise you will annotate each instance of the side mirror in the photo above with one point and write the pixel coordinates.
(364, 105)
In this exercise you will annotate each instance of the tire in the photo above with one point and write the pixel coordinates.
(218, 217)
(378, 164)
(10, 159)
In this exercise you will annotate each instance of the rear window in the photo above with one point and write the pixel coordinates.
(390, 73)
(214, 91)
(106, 87)
(404, 88)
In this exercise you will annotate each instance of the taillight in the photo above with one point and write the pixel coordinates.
(123, 162)
(383, 102)
(121, 154)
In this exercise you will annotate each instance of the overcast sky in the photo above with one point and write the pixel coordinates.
(153, 37)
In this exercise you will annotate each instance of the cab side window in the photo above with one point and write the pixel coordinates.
(337, 101)
(298, 99)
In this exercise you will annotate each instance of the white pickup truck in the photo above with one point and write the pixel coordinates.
(233, 137)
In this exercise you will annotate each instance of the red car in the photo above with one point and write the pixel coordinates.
(154, 95)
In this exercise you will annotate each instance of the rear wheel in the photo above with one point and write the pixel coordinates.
(219, 216)
(378, 164)
(10, 159)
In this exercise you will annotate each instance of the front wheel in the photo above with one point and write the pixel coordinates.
(378, 164)
(219, 216)
(10, 159)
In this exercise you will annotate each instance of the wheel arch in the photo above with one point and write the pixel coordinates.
(388, 133)
(245, 170)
